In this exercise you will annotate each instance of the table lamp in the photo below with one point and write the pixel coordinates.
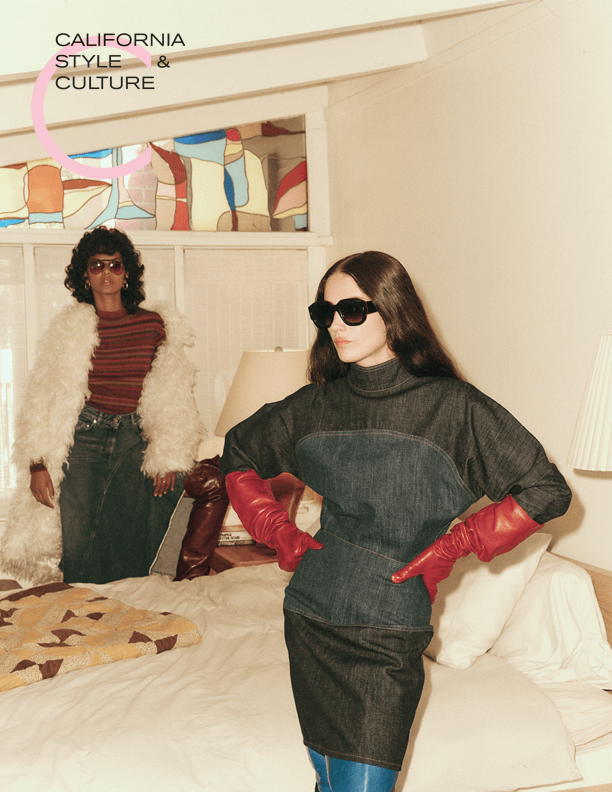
(262, 376)
(591, 447)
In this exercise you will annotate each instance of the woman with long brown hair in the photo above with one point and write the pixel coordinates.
(399, 446)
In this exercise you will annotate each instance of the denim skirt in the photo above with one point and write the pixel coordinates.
(112, 524)
(356, 689)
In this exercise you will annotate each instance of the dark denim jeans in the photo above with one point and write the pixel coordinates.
(112, 525)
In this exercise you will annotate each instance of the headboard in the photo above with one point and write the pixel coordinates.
(602, 583)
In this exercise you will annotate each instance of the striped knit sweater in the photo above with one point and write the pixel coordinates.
(128, 343)
(122, 360)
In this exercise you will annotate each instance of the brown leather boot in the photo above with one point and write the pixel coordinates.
(204, 483)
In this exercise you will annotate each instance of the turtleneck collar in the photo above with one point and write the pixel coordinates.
(106, 315)
(380, 380)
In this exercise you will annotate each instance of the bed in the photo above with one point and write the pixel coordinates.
(515, 696)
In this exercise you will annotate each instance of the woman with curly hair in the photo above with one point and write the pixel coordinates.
(107, 428)
(399, 446)
(91, 246)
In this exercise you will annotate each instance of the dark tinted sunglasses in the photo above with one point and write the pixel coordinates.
(352, 312)
(113, 265)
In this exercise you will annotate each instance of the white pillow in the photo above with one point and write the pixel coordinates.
(475, 601)
(556, 632)
(485, 728)
(586, 710)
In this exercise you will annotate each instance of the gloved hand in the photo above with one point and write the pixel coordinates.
(266, 520)
(494, 530)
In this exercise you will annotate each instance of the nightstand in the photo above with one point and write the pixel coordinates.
(229, 556)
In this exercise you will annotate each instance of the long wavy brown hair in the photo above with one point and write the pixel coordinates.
(108, 241)
(409, 333)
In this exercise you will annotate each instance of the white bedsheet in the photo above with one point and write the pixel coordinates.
(594, 762)
(486, 728)
(219, 716)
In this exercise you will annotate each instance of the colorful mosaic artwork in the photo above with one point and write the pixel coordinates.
(248, 178)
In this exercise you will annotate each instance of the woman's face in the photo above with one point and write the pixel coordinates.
(364, 344)
(105, 273)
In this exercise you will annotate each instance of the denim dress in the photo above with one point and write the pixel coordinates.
(396, 459)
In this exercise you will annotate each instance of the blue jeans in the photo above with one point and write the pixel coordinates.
(112, 525)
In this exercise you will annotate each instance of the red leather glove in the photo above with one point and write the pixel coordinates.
(266, 520)
(494, 530)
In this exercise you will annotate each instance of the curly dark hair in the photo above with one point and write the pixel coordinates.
(108, 241)
(410, 335)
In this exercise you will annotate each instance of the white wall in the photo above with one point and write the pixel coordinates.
(487, 170)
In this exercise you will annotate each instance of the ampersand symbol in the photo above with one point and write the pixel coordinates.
(163, 63)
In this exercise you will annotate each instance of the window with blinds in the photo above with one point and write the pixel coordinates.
(13, 365)
(237, 300)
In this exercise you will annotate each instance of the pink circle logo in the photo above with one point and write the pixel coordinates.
(42, 133)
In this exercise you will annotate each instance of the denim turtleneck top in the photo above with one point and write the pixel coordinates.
(396, 459)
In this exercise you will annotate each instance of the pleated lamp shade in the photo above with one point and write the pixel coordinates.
(591, 447)
(262, 376)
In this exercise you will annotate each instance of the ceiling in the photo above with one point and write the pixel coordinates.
(218, 56)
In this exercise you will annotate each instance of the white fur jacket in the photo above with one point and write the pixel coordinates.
(55, 392)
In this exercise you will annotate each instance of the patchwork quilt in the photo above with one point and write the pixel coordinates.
(57, 628)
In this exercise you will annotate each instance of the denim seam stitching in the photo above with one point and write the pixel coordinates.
(414, 438)
(364, 759)
(360, 547)
(397, 627)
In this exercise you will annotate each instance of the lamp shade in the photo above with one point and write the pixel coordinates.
(591, 447)
(262, 376)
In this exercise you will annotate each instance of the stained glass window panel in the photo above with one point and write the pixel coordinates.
(245, 178)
